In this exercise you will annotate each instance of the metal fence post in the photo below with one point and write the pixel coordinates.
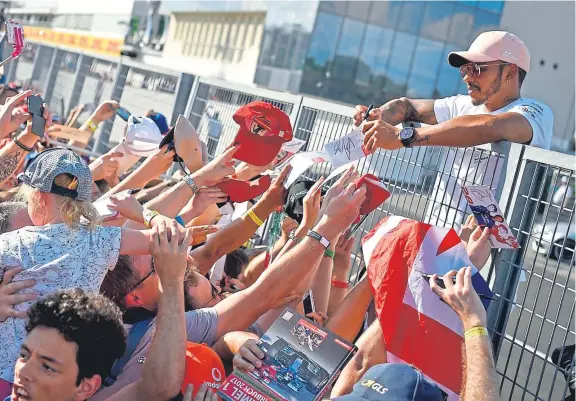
(185, 83)
(41, 61)
(521, 209)
(52, 74)
(82, 68)
(101, 143)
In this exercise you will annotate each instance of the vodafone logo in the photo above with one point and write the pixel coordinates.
(216, 375)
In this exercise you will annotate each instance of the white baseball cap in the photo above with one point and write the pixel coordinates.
(142, 136)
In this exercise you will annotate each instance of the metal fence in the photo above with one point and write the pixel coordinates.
(534, 285)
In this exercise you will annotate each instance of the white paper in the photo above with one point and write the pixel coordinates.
(338, 171)
(485, 208)
(301, 162)
(347, 149)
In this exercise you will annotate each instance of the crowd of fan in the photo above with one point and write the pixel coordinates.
(74, 289)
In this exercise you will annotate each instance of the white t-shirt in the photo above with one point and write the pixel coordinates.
(57, 257)
(459, 166)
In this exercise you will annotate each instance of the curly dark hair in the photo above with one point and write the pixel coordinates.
(91, 321)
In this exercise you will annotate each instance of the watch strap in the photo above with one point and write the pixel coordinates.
(148, 216)
(293, 236)
(408, 141)
(191, 183)
(318, 237)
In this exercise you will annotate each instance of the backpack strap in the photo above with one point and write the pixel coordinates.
(137, 332)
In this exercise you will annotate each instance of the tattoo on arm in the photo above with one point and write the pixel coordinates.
(9, 163)
(399, 110)
(421, 111)
(394, 112)
(421, 141)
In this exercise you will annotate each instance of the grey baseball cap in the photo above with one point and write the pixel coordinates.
(49, 164)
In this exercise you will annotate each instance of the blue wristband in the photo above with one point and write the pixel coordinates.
(180, 221)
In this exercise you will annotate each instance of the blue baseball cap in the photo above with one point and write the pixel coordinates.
(393, 382)
(160, 121)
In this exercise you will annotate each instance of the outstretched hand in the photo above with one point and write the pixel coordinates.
(342, 210)
(217, 170)
(461, 297)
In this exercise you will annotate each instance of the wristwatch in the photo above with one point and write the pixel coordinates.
(318, 237)
(293, 236)
(148, 216)
(190, 181)
(407, 136)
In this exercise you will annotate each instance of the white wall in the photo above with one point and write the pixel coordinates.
(548, 29)
(95, 7)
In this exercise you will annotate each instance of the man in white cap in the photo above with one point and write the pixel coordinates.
(493, 69)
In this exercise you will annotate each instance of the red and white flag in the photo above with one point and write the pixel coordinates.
(419, 329)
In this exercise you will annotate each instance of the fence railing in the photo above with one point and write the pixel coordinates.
(534, 286)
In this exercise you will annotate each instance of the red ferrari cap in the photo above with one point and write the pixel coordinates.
(376, 193)
(263, 130)
(242, 191)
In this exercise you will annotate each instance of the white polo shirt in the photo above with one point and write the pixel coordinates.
(465, 166)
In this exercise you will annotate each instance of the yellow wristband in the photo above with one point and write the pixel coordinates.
(92, 127)
(254, 218)
(478, 331)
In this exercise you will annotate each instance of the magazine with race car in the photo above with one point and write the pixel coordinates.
(302, 360)
(485, 208)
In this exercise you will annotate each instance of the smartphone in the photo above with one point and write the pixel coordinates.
(309, 305)
(123, 113)
(36, 109)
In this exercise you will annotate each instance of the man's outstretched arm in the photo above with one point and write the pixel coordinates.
(397, 111)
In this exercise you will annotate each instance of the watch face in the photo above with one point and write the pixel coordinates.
(407, 133)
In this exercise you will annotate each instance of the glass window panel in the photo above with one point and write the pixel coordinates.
(437, 19)
(322, 44)
(462, 22)
(449, 77)
(410, 18)
(374, 56)
(492, 6)
(348, 50)
(358, 10)
(485, 21)
(470, 3)
(385, 13)
(334, 7)
(400, 60)
(425, 65)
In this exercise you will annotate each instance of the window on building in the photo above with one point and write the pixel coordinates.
(333, 7)
(449, 78)
(425, 66)
(462, 23)
(492, 6)
(349, 46)
(359, 10)
(323, 45)
(410, 19)
(385, 13)
(399, 65)
(437, 19)
(374, 57)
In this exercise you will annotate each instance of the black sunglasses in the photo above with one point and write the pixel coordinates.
(139, 283)
(215, 293)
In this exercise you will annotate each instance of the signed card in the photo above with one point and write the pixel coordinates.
(347, 149)
(301, 162)
(485, 208)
